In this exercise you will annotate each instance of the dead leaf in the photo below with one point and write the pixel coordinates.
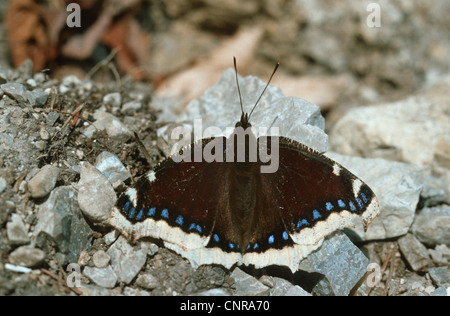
(190, 83)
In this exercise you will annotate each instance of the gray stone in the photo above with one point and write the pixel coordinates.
(282, 287)
(111, 237)
(296, 118)
(440, 291)
(340, 263)
(131, 107)
(111, 167)
(15, 91)
(126, 260)
(101, 259)
(109, 123)
(432, 226)
(147, 281)
(414, 252)
(246, 285)
(16, 231)
(104, 277)
(96, 196)
(397, 187)
(43, 182)
(60, 218)
(37, 98)
(52, 117)
(27, 257)
(3, 185)
(296, 291)
(113, 99)
(440, 276)
(391, 130)
(441, 253)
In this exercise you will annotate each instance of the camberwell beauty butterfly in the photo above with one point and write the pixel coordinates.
(227, 211)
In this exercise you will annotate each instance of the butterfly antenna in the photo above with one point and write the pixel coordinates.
(237, 83)
(274, 70)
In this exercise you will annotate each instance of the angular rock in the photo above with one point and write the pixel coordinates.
(296, 291)
(109, 123)
(15, 91)
(127, 261)
(432, 226)
(391, 130)
(440, 253)
(282, 287)
(440, 276)
(397, 187)
(96, 196)
(340, 263)
(16, 231)
(147, 281)
(43, 182)
(111, 167)
(37, 98)
(414, 252)
(60, 218)
(296, 118)
(27, 257)
(104, 277)
(246, 285)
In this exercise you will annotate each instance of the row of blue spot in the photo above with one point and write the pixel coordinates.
(131, 214)
(360, 201)
(255, 246)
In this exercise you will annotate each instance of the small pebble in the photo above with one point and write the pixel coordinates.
(27, 257)
(43, 182)
(16, 231)
(101, 259)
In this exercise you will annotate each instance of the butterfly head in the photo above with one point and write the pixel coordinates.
(245, 117)
(244, 122)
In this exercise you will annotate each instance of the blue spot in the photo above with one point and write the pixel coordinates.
(179, 220)
(165, 213)
(196, 227)
(285, 235)
(132, 213)
(271, 239)
(352, 206)
(140, 215)
(216, 238)
(329, 206)
(231, 245)
(364, 197)
(301, 223)
(151, 212)
(360, 203)
(255, 246)
(316, 215)
(126, 207)
(341, 204)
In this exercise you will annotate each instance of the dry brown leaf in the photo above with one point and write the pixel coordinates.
(323, 91)
(190, 83)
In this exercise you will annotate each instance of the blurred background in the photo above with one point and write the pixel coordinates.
(331, 53)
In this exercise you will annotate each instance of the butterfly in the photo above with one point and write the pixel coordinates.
(227, 211)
